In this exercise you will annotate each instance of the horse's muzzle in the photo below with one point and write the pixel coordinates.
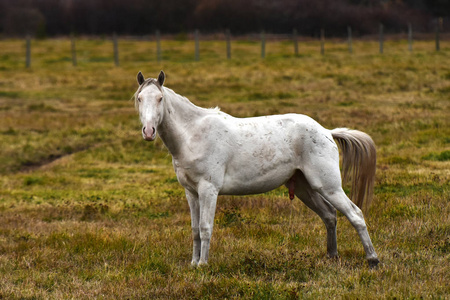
(149, 134)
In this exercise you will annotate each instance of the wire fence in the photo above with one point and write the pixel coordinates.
(262, 38)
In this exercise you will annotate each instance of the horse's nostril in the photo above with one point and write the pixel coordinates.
(150, 133)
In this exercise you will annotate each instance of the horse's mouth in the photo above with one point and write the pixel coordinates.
(150, 139)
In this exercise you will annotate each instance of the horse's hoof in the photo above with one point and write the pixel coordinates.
(333, 256)
(373, 263)
(202, 263)
(194, 264)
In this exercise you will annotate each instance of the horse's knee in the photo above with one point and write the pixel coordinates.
(205, 232)
(360, 225)
(356, 218)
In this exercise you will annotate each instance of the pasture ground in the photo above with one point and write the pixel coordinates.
(90, 210)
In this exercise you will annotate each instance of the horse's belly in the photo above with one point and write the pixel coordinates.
(251, 177)
(255, 185)
(250, 188)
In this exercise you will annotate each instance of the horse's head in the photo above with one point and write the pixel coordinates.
(149, 103)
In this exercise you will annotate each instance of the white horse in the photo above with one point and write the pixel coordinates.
(215, 154)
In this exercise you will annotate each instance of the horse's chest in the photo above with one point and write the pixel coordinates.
(185, 174)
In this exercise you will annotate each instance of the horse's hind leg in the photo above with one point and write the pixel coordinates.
(325, 178)
(326, 212)
(342, 203)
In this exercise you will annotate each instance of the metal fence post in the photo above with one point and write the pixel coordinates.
(197, 45)
(263, 44)
(350, 41)
(158, 46)
(438, 25)
(295, 38)
(116, 50)
(28, 51)
(73, 49)
(228, 37)
(322, 41)
(381, 38)
(410, 37)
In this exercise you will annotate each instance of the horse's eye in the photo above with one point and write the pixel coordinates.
(160, 99)
(139, 99)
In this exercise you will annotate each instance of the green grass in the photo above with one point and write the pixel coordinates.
(90, 210)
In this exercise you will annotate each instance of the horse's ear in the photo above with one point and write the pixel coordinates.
(161, 78)
(140, 78)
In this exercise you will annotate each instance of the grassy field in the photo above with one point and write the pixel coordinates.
(90, 210)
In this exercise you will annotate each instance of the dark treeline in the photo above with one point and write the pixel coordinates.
(141, 17)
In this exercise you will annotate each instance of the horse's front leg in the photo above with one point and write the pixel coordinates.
(194, 206)
(207, 199)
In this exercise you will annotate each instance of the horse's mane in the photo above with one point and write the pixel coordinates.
(169, 92)
(172, 93)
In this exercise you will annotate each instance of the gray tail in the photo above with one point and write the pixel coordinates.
(358, 164)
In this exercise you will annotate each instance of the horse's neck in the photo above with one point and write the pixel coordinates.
(178, 115)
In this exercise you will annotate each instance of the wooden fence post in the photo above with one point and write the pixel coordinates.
(116, 50)
(295, 38)
(228, 37)
(381, 38)
(74, 50)
(410, 37)
(322, 41)
(28, 51)
(263, 44)
(350, 42)
(158, 46)
(197, 45)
